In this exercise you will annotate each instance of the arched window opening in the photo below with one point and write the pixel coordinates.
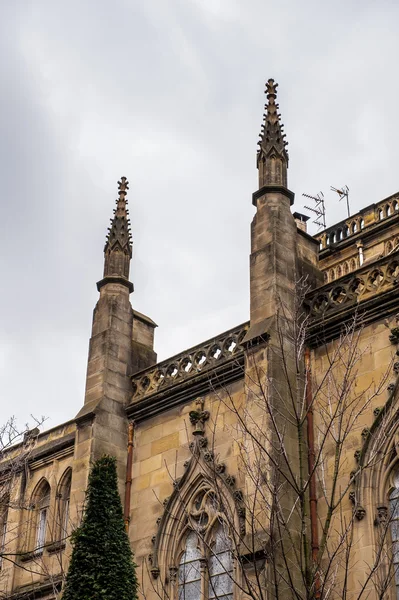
(189, 570)
(206, 565)
(41, 503)
(361, 223)
(380, 214)
(63, 505)
(389, 210)
(220, 567)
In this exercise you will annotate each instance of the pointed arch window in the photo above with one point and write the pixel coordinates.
(63, 505)
(206, 564)
(189, 570)
(41, 505)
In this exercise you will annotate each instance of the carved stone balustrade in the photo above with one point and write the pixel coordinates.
(330, 303)
(369, 216)
(221, 358)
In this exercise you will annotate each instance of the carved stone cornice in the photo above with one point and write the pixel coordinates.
(186, 376)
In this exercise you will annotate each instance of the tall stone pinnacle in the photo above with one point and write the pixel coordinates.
(272, 157)
(118, 245)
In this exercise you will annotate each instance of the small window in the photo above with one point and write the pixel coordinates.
(220, 567)
(189, 570)
(41, 528)
(63, 505)
(40, 505)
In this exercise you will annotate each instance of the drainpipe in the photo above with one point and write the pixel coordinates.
(128, 485)
(311, 465)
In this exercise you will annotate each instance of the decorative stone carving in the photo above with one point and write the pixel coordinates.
(188, 364)
(382, 515)
(357, 455)
(230, 480)
(208, 456)
(365, 433)
(198, 416)
(173, 571)
(352, 476)
(352, 288)
(360, 513)
(238, 496)
(155, 572)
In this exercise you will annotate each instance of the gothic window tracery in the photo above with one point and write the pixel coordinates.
(40, 505)
(206, 563)
(63, 505)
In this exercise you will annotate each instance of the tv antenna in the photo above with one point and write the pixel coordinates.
(343, 193)
(318, 209)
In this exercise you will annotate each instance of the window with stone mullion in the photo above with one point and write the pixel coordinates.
(220, 566)
(217, 583)
(189, 570)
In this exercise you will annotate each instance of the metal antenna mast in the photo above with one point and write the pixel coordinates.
(343, 193)
(319, 209)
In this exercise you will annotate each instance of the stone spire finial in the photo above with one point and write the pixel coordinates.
(272, 158)
(118, 245)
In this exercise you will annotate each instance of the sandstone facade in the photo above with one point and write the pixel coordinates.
(197, 420)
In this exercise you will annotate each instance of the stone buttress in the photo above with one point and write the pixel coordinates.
(121, 343)
(283, 262)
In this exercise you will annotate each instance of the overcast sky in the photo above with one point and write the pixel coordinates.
(168, 93)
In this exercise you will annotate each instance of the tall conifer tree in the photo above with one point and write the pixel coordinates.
(102, 566)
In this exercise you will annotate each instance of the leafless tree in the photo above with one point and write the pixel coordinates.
(296, 428)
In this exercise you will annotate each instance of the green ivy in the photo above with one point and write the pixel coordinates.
(102, 566)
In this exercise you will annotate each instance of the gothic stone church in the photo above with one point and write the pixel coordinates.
(260, 464)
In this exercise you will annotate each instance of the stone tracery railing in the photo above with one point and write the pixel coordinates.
(356, 223)
(380, 276)
(193, 361)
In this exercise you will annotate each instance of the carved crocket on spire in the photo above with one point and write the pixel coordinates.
(118, 246)
(272, 158)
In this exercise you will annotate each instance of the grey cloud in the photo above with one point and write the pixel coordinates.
(169, 94)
